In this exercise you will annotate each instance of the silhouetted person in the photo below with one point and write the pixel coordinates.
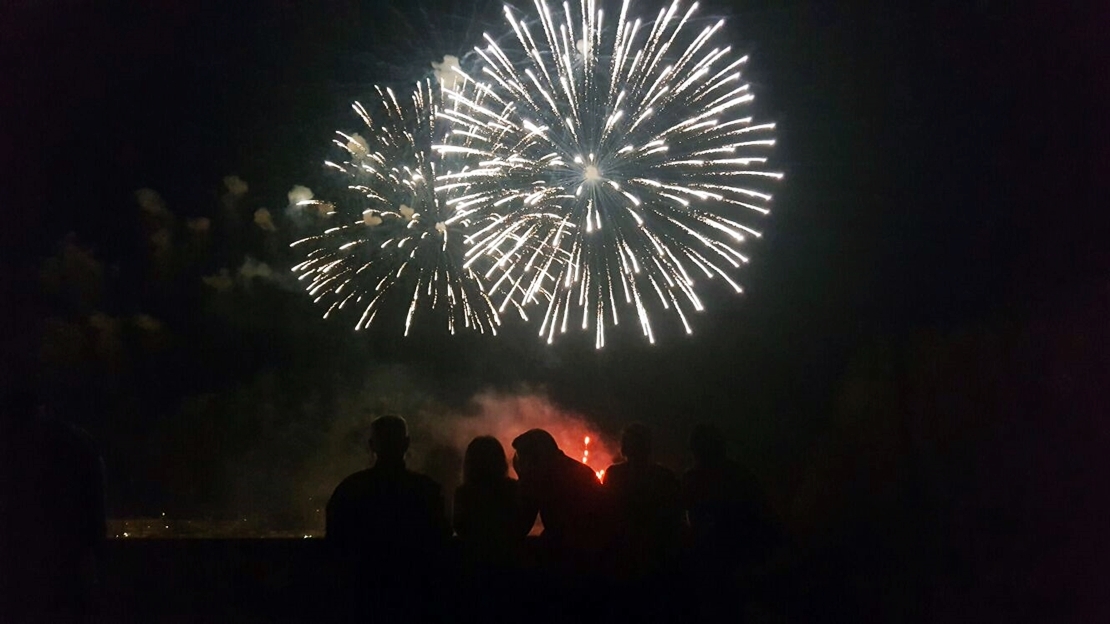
(730, 520)
(387, 527)
(569, 500)
(567, 496)
(724, 503)
(52, 521)
(491, 529)
(488, 516)
(646, 504)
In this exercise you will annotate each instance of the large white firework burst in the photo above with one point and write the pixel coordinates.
(396, 240)
(627, 159)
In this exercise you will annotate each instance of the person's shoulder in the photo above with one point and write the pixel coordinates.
(662, 473)
(737, 473)
(504, 484)
(616, 472)
(584, 472)
(617, 468)
(422, 481)
(501, 487)
(353, 482)
(699, 478)
(732, 466)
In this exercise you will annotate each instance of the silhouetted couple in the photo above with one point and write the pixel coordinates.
(387, 527)
(731, 530)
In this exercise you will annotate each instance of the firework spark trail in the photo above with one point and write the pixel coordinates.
(625, 162)
(403, 235)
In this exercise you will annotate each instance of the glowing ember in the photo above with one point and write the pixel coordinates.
(586, 458)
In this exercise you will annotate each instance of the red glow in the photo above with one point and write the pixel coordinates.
(507, 416)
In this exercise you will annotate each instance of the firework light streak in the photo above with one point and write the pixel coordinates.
(626, 158)
(402, 235)
(600, 473)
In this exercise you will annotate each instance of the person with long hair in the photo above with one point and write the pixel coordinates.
(491, 530)
(487, 513)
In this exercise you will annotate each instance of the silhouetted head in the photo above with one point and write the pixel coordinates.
(484, 461)
(389, 438)
(536, 450)
(707, 443)
(636, 443)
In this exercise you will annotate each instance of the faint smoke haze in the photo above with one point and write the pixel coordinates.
(440, 435)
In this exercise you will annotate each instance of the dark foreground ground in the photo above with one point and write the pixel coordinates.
(284, 580)
(206, 580)
(281, 580)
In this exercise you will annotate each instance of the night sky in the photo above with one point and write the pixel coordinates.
(945, 172)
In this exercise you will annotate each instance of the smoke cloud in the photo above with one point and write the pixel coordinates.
(151, 202)
(263, 220)
(358, 146)
(301, 202)
(299, 194)
(236, 186)
(220, 281)
(448, 72)
(199, 225)
(506, 416)
(73, 275)
(254, 269)
(147, 323)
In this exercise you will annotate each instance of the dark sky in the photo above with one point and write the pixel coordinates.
(953, 148)
(945, 162)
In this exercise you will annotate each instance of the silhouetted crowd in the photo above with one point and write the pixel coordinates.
(557, 544)
(643, 545)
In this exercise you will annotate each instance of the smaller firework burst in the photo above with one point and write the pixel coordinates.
(396, 239)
